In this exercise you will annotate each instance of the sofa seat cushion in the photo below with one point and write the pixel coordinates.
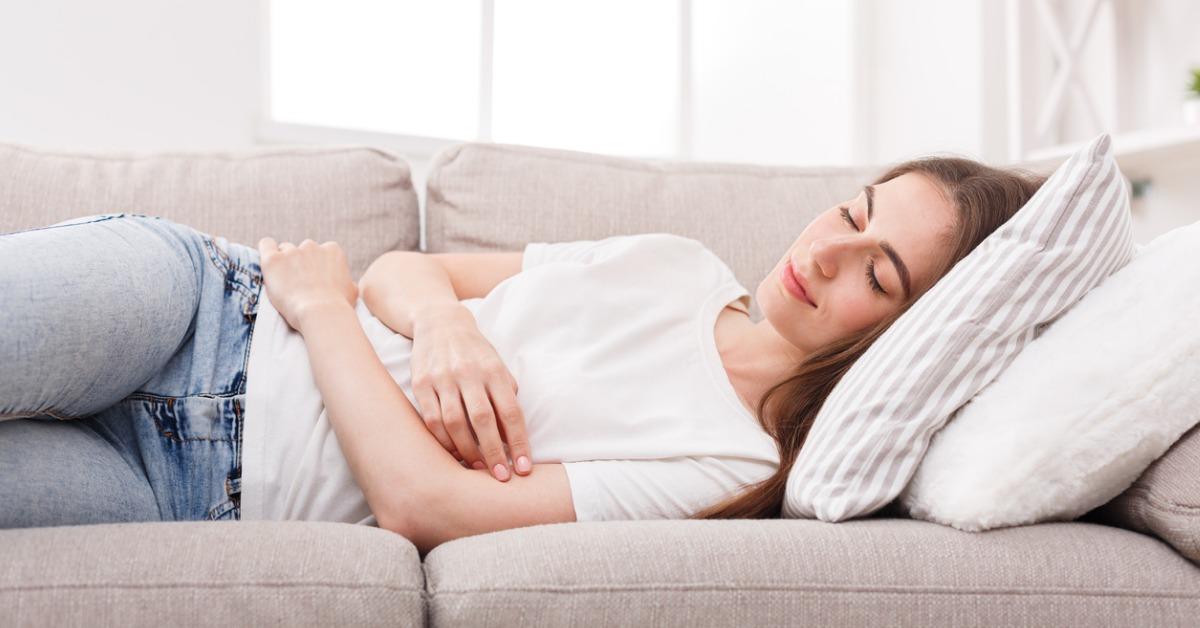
(210, 573)
(360, 197)
(867, 572)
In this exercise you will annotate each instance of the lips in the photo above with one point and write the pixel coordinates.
(794, 284)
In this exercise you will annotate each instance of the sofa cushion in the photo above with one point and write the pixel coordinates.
(209, 573)
(360, 197)
(1165, 500)
(866, 572)
(485, 197)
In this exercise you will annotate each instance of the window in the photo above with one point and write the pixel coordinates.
(769, 81)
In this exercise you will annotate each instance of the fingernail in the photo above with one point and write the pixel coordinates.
(477, 465)
(501, 472)
(523, 464)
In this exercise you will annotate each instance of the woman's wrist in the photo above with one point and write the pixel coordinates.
(440, 314)
(314, 310)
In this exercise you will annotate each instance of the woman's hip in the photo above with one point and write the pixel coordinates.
(140, 327)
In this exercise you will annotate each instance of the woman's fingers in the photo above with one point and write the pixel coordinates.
(431, 414)
(483, 419)
(267, 244)
(454, 419)
(512, 421)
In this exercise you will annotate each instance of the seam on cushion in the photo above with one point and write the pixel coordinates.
(1162, 503)
(223, 156)
(636, 164)
(204, 585)
(899, 589)
(435, 175)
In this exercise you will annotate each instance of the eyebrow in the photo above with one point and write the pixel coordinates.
(901, 269)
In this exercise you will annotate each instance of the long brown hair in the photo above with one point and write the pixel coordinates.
(984, 198)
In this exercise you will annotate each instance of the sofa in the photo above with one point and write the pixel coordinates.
(1131, 562)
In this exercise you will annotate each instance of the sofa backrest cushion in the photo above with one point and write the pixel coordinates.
(489, 197)
(360, 197)
(1164, 501)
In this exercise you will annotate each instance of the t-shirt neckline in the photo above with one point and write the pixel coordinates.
(712, 307)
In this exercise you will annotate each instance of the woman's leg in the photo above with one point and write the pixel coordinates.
(158, 409)
(93, 308)
(64, 473)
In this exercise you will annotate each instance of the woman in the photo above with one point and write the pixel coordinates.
(139, 330)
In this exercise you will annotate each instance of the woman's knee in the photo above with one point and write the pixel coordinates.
(61, 473)
(93, 307)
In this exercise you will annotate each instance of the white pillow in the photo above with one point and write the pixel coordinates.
(1083, 410)
(874, 427)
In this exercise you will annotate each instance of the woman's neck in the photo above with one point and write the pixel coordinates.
(754, 355)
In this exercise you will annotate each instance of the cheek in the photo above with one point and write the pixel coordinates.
(854, 310)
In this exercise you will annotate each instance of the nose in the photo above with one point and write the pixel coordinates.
(828, 253)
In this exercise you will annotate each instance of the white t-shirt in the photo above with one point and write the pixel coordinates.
(612, 344)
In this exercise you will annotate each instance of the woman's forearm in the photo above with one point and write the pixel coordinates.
(401, 287)
(386, 444)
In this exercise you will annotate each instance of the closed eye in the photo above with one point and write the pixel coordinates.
(872, 279)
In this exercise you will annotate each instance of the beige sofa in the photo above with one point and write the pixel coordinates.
(1131, 562)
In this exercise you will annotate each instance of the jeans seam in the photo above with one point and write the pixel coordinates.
(223, 263)
(45, 412)
(95, 218)
(170, 403)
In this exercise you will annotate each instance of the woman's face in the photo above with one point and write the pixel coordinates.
(897, 239)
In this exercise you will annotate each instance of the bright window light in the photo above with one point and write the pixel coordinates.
(771, 81)
(592, 76)
(398, 66)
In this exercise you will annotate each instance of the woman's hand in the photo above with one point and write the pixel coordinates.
(301, 278)
(453, 366)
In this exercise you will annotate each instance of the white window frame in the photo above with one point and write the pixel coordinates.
(272, 131)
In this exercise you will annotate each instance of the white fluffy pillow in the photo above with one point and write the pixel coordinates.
(1082, 410)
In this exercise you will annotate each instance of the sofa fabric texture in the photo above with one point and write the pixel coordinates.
(1165, 499)
(866, 572)
(361, 197)
(870, 572)
(209, 573)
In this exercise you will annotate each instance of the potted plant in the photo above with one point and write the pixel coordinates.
(1191, 105)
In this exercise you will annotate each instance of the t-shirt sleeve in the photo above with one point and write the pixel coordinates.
(666, 488)
(588, 251)
(538, 253)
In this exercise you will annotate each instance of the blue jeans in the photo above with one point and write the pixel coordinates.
(123, 347)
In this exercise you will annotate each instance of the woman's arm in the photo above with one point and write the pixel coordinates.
(412, 485)
(388, 449)
(401, 285)
(454, 367)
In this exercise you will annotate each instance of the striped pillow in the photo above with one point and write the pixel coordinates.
(876, 424)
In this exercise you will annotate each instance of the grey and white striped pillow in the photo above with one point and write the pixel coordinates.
(876, 424)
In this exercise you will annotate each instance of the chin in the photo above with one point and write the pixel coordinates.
(781, 312)
(772, 305)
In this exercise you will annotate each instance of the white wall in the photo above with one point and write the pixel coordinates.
(129, 74)
(929, 79)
